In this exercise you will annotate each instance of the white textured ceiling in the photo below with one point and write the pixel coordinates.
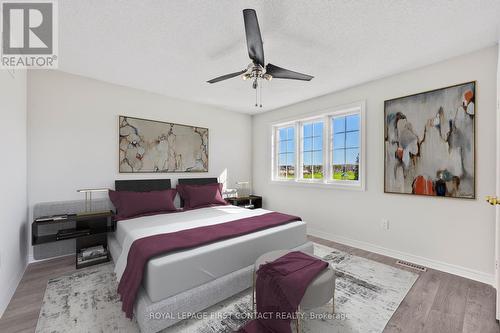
(172, 47)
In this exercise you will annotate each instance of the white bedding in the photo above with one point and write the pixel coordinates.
(130, 230)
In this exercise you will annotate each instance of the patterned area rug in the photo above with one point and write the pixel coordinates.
(366, 295)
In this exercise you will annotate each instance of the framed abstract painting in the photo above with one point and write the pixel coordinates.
(156, 146)
(429, 141)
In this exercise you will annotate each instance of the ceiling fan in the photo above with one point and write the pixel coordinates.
(257, 70)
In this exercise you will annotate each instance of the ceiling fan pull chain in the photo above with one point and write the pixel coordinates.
(260, 88)
(256, 96)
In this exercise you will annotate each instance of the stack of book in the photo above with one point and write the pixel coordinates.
(91, 254)
(52, 218)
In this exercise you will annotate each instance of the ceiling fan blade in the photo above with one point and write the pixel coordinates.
(227, 76)
(281, 73)
(254, 38)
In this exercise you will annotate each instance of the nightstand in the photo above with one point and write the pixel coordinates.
(250, 202)
(88, 230)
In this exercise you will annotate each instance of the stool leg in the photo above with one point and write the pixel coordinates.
(333, 298)
(299, 329)
(253, 292)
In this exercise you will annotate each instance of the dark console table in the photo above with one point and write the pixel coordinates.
(87, 229)
(250, 202)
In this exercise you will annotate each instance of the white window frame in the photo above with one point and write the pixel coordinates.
(275, 149)
(326, 116)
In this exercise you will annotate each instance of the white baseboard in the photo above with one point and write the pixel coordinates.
(430, 263)
(6, 292)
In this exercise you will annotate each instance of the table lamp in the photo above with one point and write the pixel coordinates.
(244, 187)
(88, 199)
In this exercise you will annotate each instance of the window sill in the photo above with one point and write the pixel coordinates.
(319, 184)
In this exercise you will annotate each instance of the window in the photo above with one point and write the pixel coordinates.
(312, 150)
(286, 152)
(329, 149)
(345, 141)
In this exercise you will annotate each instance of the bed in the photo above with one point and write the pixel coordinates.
(194, 279)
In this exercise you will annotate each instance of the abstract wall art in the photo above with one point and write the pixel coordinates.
(155, 146)
(430, 143)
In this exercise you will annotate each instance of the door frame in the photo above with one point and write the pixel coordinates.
(497, 209)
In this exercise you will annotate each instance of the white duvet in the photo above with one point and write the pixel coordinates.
(128, 231)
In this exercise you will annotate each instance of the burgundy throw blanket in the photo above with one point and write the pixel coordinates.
(146, 248)
(280, 286)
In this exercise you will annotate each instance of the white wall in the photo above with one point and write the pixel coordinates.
(73, 134)
(450, 234)
(497, 231)
(13, 194)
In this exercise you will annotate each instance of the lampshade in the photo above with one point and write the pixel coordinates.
(244, 188)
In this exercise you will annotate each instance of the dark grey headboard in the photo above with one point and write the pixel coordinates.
(196, 181)
(142, 185)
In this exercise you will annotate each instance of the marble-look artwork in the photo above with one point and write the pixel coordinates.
(429, 143)
(154, 146)
(367, 293)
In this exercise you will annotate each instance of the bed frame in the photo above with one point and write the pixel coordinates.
(154, 317)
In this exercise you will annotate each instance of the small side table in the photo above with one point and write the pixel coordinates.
(249, 202)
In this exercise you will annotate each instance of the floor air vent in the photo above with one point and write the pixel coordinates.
(410, 265)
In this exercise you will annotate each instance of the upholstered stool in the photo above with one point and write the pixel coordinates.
(320, 291)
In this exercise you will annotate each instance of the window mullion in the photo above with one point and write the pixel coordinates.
(326, 148)
(298, 153)
(275, 153)
(345, 149)
(332, 149)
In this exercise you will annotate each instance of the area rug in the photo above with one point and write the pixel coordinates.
(367, 293)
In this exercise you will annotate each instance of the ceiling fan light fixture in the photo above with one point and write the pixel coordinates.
(257, 69)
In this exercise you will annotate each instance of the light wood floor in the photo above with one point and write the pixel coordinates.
(437, 303)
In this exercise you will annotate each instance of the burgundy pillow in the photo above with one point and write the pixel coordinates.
(134, 204)
(197, 196)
